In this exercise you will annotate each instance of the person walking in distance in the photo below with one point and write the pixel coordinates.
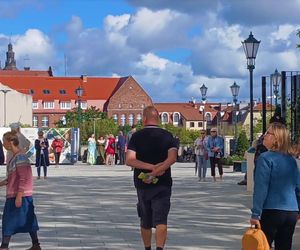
(18, 215)
(151, 152)
(201, 155)
(57, 146)
(121, 146)
(215, 148)
(42, 155)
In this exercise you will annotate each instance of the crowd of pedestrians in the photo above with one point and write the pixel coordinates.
(151, 152)
(108, 150)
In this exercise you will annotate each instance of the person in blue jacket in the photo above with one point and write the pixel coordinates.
(276, 196)
(215, 147)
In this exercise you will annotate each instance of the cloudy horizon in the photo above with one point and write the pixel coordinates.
(170, 47)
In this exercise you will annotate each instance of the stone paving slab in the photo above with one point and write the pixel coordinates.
(94, 207)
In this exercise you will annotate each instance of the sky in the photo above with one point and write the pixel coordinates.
(171, 47)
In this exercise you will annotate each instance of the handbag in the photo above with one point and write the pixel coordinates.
(255, 239)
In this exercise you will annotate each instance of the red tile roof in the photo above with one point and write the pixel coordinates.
(258, 107)
(26, 72)
(96, 88)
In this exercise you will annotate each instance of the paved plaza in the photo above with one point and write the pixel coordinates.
(94, 207)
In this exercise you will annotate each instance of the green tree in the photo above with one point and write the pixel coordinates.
(242, 144)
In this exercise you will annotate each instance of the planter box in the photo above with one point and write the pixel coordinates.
(240, 166)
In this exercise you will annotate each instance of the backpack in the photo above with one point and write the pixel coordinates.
(255, 239)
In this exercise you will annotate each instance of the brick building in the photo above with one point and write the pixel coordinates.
(121, 97)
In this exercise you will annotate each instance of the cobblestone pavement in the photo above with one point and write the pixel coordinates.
(94, 207)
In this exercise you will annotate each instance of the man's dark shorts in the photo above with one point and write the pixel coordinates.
(154, 205)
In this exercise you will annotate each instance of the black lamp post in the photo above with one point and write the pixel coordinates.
(276, 80)
(79, 93)
(250, 46)
(235, 92)
(4, 91)
(203, 90)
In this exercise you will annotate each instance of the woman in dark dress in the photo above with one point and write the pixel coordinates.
(42, 154)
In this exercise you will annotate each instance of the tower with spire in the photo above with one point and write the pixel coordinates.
(10, 63)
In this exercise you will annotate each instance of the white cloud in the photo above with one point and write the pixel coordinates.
(152, 61)
(116, 23)
(75, 26)
(35, 46)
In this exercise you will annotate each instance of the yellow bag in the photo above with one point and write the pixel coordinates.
(255, 239)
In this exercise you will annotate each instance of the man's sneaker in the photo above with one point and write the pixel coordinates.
(34, 247)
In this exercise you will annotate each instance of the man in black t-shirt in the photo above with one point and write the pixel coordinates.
(152, 151)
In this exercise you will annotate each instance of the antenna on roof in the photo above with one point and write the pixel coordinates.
(65, 61)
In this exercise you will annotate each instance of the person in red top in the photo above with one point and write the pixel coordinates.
(110, 148)
(57, 146)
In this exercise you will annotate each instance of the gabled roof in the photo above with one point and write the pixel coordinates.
(258, 107)
(187, 110)
(96, 88)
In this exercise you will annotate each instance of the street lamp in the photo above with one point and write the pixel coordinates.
(250, 46)
(203, 90)
(235, 92)
(276, 80)
(79, 93)
(4, 91)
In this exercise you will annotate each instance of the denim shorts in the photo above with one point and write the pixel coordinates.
(154, 205)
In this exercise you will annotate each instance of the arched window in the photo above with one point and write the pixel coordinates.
(208, 117)
(176, 118)
(138, 118)
(130, 119)
(164, 118)
(123, 119)
(115, 118)
(63, 120)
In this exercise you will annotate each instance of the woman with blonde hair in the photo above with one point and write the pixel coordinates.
(276, 196)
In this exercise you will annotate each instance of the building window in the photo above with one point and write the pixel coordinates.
(83, 105)
(200, 124)
(164, 118)
(35, 105)
(176, 118)
(45, 121)
(63, 120)
(48, 105)
(35, 121)
(130, 119)
(208, 117)
(31, 92)
(143, 105)
(65, 105)
(115, 118)
(139, 118)
(192, 124)
(130, 105)
(123, 120)
(46, 91)
(62, 92)
(120, 105)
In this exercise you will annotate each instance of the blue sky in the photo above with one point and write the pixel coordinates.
(171, 47)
